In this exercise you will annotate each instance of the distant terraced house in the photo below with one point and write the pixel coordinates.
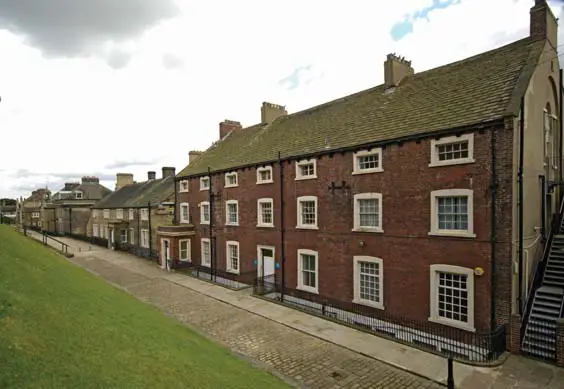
(31, 208)
(423, 208)
(128, 218)
(68, 211)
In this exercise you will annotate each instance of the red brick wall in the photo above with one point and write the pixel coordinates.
(405, 246)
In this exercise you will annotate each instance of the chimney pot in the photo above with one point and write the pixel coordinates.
(226, 126)
(151, 175)
(396, 69)
(168, 171)
(270, 112)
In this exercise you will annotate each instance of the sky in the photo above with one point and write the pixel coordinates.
(99, 87)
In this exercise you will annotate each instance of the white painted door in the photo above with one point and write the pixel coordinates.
(265, 265)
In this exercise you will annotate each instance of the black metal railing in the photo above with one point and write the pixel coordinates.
(470, 347)
(220, 277)
(540, 269)
(142, 252)
(48, 240)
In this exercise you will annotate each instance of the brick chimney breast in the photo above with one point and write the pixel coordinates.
(543, 24)
(270, 112)
(396, 69)
(226, 126)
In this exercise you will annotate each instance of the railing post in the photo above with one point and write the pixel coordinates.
(450, 378)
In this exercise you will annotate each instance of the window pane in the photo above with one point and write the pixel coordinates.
(369, 281)
(453, 296)
(453, 151)
(368, 162)
(308, 212)
(369, 212)
(452, 213)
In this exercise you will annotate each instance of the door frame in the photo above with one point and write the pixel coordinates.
(164, 262)
(259, 258)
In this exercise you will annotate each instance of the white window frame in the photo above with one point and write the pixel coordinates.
(78, 195)
(260, 222)
(367, 196)
(229, 175)
(131, 214)
(228, 266)
(182, 219)
(132, 235)
(357, 259)
(434, 296)
(188, 257)
(300, 284)
(227, 203)
(144, 213)
(365, 153)
(203, 205)
(144, 232)
(469, 233)
(299, 224)
(119, 213)
(302, 163)
(202, 242)
(182, 183)
(106, 213)
(204, 179)
(262, 169)
(435, 143)
(121, 235)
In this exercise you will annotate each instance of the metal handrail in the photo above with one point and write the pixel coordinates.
(540, 268)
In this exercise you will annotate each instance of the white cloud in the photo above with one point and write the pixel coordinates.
(78, 115)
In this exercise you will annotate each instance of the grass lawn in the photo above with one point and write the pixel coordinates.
(61, 327)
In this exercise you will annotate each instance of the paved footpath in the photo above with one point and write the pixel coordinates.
(310, 351)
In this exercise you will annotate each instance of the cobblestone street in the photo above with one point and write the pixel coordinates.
(311, 362)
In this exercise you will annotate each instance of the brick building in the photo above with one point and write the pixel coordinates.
(405, 198)
(130, 216)
(68, 210)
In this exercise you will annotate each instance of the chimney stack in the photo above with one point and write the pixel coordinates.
(270, 112)
(543, 24)
(90, 179)
(193, 155)
(169, 171)
(123, 179)
(396, 69)
(151, 175)
(226, 126)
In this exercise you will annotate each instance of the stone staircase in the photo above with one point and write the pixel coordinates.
(540, 332)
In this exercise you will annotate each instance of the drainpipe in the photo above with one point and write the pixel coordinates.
(520, 203)
(174, 219)
(561, 147)
(212, 242)
(493, 232)
(150, 230)
(282, 240)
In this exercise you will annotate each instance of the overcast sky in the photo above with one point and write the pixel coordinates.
(96, 87)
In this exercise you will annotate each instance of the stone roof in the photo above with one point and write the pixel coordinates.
(139, 194)
(479, 89)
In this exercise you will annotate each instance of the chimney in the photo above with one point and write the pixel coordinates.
(543, 23)
(169, 171)
(90, 180)
(151, 175)
(123, 179)
(69, 186)
(226, 126)
(270, 112)
(396, 69)
(193, 155)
